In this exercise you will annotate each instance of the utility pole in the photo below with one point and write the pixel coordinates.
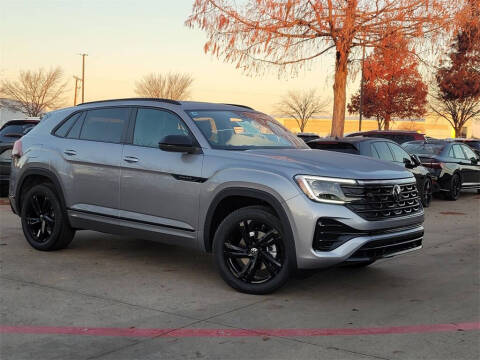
(83, 75)
(77, 79)
(361, 91)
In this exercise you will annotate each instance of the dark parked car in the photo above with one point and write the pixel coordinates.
(9, 133)
(453, 166)
(308, 136)
(382, 149)
(399, 136)
(474, 144)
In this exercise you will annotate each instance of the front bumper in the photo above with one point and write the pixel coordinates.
(387, 238)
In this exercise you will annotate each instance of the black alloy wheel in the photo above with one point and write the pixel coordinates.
(251, 251)
(254, 252)
(455, 187)
(427, 192)
(40, 217)
(44, 223)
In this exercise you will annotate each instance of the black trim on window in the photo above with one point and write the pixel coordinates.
(59, 125)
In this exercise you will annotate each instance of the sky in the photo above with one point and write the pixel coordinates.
(126, 40)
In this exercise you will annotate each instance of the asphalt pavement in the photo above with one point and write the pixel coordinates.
(108, 297)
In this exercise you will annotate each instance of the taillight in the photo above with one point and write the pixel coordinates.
(433, 165)
(17, 149)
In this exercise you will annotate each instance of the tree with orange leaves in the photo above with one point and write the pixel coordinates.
(393, 87)
(456, 93)
(292, 32)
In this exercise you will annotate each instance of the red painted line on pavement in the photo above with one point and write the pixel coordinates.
(188, 332)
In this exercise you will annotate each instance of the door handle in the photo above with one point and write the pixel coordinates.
(70, 152)
(130, 159)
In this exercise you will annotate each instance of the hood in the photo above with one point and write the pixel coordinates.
(331, 164)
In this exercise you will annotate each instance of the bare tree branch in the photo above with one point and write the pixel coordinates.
(302, 106)
(36, 91)
(175, 86)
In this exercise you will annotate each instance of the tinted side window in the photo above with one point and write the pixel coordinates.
(457, 152)
(469, 152)
(105, 124)
(74, 132)
(450, 153)
(382, 150)
(152, 125)
(398, 153)
(63, 130)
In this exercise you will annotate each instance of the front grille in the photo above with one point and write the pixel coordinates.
(383, 248)
(378, 202)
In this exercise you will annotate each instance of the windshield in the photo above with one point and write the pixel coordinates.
(424, 148)
(243, 130)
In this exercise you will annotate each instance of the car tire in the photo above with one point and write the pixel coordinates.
(454, 188)
(252, 251)
(44, 222)
(427, 192)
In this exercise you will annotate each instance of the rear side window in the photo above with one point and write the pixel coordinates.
(74, 132)
(63, 130)
(457, 152)
(398, 153)
(105, 125)
(152, 125)
(381, 150)
(469, 152)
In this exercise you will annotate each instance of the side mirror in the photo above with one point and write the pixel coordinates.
(474, 161)
(409, 164)
(416, 160)
(178, 143)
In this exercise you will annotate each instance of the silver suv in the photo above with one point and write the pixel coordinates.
(217, 177)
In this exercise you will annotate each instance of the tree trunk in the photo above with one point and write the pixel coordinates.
(339, 94)
(458, 131)
(387, 122)
(302, 125)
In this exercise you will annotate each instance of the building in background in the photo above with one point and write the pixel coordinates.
(7, 111)
(432, 126)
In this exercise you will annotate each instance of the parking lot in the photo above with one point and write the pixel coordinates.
(107, 297)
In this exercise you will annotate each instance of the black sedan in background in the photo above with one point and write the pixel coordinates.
(382, 149)
(453, 166)
(10, 132)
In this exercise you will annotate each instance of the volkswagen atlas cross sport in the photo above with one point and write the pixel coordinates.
(217, 177)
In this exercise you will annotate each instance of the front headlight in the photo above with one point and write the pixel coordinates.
(324, 189)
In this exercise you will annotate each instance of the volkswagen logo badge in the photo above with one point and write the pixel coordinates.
(397, 192)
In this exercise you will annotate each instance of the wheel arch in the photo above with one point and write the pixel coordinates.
(33, 174)
(258, 197)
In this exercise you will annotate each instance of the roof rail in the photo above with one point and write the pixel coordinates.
(243, 106)
(136, 99)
